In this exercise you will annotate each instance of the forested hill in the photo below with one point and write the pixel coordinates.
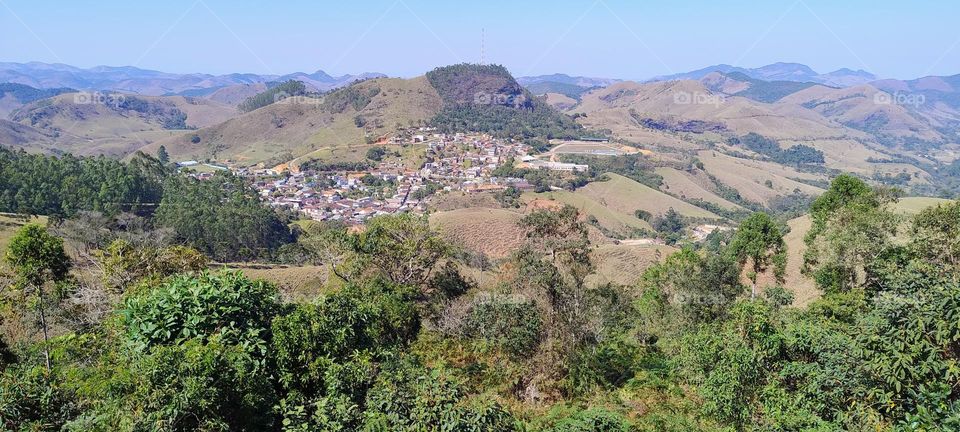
(486, 98)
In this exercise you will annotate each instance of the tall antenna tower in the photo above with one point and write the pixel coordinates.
(482, 36)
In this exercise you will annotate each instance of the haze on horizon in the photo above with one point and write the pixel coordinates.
(604, 38)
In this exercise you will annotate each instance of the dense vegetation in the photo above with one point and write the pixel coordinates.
(168, 115)
(402, 340)
(796, 155)
(222, 217)
(62, 186)
(768, 91)
(273, 94)
(26, 94)
(352, 96)
(633, 166)
(486, 98)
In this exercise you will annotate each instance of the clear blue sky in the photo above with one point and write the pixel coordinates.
(606, 38)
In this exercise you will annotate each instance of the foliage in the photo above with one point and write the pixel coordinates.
(514, 324)
(38, 261)
(226, 306)
(273, 94)
(851, 227)
(60, 187)
(125, 263)
(593, 420)
(222, 217)
(796, 155)
(376, 153)
(759, 241)
(401, 248)
(409, 398)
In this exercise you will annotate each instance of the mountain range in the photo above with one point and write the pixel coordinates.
(131, 79)
(782, 72)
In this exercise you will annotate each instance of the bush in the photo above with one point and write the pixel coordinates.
(513, 324)
(225, 304)
(593, 420)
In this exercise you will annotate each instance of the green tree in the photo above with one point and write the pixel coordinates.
(39, 261)
(162, 155)
(852, 226)
(222, 217)
(758, 241)
(401, 248)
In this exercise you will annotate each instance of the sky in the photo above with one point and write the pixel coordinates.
(624, 39)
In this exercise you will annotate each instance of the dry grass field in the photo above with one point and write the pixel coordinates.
(625, 196)
(750, 177)
(493, 232)
(625, 264)
(692, 186)
(607, 217)
(296, 283)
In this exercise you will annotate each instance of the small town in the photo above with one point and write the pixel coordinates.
(452, 162)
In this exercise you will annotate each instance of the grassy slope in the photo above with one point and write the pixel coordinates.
(493, 232)
(625, 196)
(749, 176)
(95, 128)
(608, 218)
(625, 264)
(686, 185)
(307, 130)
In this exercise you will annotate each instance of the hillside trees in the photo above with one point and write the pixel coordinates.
(39, 263)
(273, 94)
(758, 241)
(851, 227)
(62, 186)
(222, 217)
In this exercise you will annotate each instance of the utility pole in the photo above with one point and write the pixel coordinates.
(482, 35)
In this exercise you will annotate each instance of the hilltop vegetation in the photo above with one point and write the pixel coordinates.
(61, 187)
(25, 94)
(486, 98)
(273, 94)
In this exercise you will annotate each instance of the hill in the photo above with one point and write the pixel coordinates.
(695, 185)
(677, 119)
(486, 98)
(13, 96)
(111, 124)
(309, 127)
(626, 196)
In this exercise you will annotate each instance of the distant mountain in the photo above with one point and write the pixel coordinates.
(13, 96)
(578, 81)
(928, 90)
(781, 72)
(739, 84)
(153, 83)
